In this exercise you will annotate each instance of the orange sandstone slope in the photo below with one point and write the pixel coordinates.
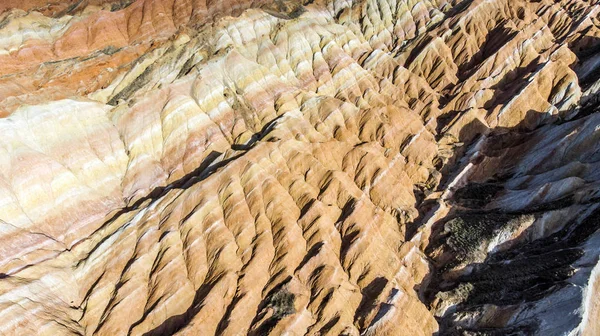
(326, 167)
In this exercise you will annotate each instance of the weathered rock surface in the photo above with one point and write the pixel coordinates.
(365, 167)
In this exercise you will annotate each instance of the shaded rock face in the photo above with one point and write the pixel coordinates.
(334, 167)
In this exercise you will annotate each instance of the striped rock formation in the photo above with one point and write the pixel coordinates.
(288, 167)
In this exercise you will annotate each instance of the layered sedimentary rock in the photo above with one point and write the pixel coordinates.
(338, 167)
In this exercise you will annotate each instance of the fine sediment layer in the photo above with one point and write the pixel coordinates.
(371, 167)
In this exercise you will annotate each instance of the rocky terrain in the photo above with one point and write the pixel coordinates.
(288, 167)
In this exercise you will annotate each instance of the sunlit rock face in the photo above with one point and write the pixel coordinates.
(326, 167)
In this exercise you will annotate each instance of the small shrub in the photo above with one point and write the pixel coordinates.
(282, 303)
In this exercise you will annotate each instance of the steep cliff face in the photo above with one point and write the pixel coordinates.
(365, 167)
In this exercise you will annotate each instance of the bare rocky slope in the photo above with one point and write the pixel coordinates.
(326, 167)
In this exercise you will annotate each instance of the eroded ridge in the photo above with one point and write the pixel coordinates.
(320, 167)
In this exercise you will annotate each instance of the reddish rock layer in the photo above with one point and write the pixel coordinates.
(327, 167)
